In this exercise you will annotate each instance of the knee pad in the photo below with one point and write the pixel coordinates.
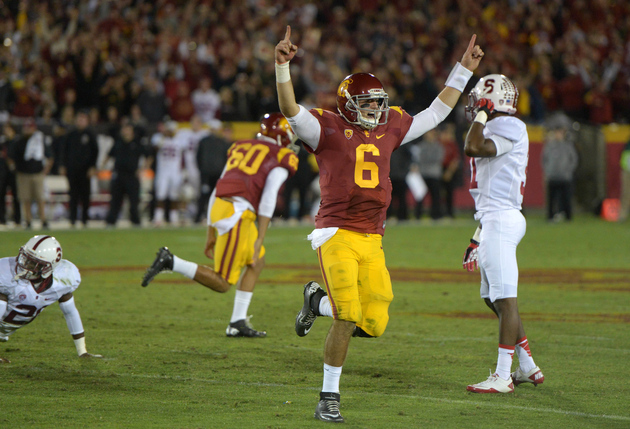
(344, 293)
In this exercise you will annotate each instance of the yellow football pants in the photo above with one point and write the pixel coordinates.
(356, 279)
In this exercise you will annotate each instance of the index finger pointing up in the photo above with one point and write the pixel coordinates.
(287, 35)
(471, 45)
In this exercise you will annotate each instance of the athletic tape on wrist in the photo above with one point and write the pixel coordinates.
(477, 235)
(459, 77)
(482, 117)
(282, 72)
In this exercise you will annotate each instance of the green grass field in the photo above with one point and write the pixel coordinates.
(168, 364)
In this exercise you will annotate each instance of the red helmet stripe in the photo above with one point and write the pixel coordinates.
(40, 241)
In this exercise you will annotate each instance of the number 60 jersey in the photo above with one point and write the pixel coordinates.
(249, 163)
(23, 303)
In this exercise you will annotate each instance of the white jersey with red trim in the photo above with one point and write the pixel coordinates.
(23, 303)
(169, 154)
(498, 183)
(190, 140)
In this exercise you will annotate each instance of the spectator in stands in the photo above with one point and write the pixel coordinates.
(559, 161)
(7, 96)
(152, 101)
(79, 153)
(181, 108)
(7, 176)
(127, 152)
(211, 158)
(207, 102)
(27, 97)
(31, 157)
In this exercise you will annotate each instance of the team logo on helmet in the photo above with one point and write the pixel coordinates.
(348, 134)
(361, 100)
(343, 86)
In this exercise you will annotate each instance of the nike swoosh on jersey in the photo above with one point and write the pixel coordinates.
(378, 137)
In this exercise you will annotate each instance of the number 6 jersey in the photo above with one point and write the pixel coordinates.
(23, 303)
(354, 170)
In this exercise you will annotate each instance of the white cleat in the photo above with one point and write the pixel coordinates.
(534, 376)
(494, 384)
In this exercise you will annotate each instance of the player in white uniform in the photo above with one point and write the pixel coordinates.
(190, 139)
(168, 172)
(499, 149)
(33, 281)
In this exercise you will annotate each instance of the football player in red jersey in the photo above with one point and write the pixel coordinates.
(245, 193)
(353, 149)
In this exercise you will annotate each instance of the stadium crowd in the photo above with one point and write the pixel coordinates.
(142, 61)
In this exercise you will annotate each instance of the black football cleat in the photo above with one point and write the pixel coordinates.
(243, 328)
(307, 315)
(163, 262)
(328, 408)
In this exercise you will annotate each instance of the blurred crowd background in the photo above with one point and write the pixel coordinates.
(143, 62)
(59, 55)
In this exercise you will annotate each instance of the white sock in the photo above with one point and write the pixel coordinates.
(332, 374)
(186, 268)
(159, 215)
(241, 304)
(504, 362)
(325, 309)
(174, 216)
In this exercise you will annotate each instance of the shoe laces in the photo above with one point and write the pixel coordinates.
(310, 317)
(332, 406)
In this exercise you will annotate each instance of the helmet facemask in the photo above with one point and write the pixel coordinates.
(29, 267)
(368, 117)
(37, 259)
(471, 109)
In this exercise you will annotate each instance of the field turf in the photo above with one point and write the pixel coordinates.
(168, 364)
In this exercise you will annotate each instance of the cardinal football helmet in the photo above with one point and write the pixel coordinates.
(276, 126)
(354, 95)
(498, 89)
(38, 258)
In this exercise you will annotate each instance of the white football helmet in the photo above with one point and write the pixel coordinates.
(498, 89)
(38, 258)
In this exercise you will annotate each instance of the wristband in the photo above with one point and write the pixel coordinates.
(482, 117)
(283, 74)
(79, 343)
(458, 78)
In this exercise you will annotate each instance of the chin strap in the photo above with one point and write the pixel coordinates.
(43, 285)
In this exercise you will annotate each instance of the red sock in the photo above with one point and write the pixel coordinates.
(524, 344)
(525, 360)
